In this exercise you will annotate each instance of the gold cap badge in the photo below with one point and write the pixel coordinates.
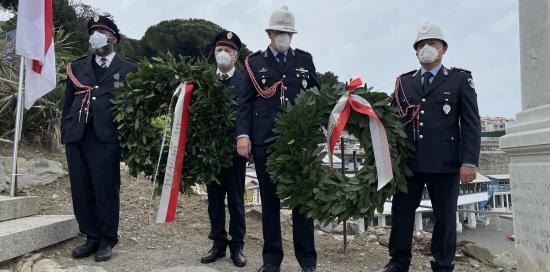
(229, 35)
(96, 19)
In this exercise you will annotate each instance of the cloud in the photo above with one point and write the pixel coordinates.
(370, 38)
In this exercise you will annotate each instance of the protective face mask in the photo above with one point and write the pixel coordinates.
(223, 59)
(103, 51)
(282, 42)
(428, 54)
(98, 40)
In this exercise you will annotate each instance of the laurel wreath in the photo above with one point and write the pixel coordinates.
(296, 155)
(141, 111)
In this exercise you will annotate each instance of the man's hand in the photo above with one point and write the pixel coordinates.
(467, 174)
(244, 147)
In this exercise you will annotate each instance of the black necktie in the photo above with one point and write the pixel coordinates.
(224, 77)
(281, 58)
(427, 76)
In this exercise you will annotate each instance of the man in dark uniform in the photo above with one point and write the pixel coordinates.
(275, 77)
(439, 108)
(90, 136)
(226, 50)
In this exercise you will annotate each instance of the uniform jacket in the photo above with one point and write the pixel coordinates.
(448, 132)
(256, 114)
(72, 129)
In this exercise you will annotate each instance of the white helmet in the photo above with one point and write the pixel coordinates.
(282, 20)
(429, 31)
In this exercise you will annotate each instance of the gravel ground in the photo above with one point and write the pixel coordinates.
(144, 246)
(492, 236)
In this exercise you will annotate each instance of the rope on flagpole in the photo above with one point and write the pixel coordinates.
(18, 126)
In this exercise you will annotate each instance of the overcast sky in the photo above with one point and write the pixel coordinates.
(372, 39)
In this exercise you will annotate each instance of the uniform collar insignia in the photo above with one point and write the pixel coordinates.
(445, 71)
(265, 54)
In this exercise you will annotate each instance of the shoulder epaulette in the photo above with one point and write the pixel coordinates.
(131, 60)
(460, 70)
(409, 73)
(82, 57)
(302, 51)
(255, 53)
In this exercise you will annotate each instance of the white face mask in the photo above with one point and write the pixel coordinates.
(282, 42)
(428, 54)
(98, 40)
(223, 59)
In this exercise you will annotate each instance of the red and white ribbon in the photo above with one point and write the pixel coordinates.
(337, 122)
(176, 152)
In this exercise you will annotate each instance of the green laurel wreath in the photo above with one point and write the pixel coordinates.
(140, 111)
(296, 154)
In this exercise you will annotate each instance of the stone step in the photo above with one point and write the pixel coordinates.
(24, 235)
(17, 207)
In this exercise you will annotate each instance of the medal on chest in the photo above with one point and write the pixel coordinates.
(446, 108)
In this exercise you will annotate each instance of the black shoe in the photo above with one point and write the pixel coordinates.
(308, 269)
(238, 257)
(104, 253)
(390, 268)
(269, 268)
(85, 250)
(212, 255)
(436, 267)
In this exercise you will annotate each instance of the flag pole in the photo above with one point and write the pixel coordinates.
(18, 126)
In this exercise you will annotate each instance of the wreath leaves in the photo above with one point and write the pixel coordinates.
(140, 111)
(296, 153)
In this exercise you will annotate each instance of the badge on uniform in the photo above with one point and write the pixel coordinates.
(446, 108)
(471, 81)
(118, 83)
(304, 83)
(263, 81)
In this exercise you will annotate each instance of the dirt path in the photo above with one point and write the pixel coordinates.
(144, 246)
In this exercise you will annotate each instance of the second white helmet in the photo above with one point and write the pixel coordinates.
(429, 31)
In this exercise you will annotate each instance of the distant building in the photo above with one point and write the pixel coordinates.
(491, 124)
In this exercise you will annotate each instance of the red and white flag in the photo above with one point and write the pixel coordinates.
(176, 153)
(337, 122)
(34, 41)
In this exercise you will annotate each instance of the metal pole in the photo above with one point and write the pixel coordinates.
(18, 121)
(342, 148)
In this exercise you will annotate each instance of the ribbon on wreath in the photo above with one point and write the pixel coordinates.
(176, 153)
(337, 122)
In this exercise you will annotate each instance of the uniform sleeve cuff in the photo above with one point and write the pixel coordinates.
(467, 164)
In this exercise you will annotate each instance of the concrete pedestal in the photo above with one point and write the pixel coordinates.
(527, 141)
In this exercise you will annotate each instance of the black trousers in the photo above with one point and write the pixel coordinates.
(302, 226)
(231, 184)
(94, 171)
(443, 190)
